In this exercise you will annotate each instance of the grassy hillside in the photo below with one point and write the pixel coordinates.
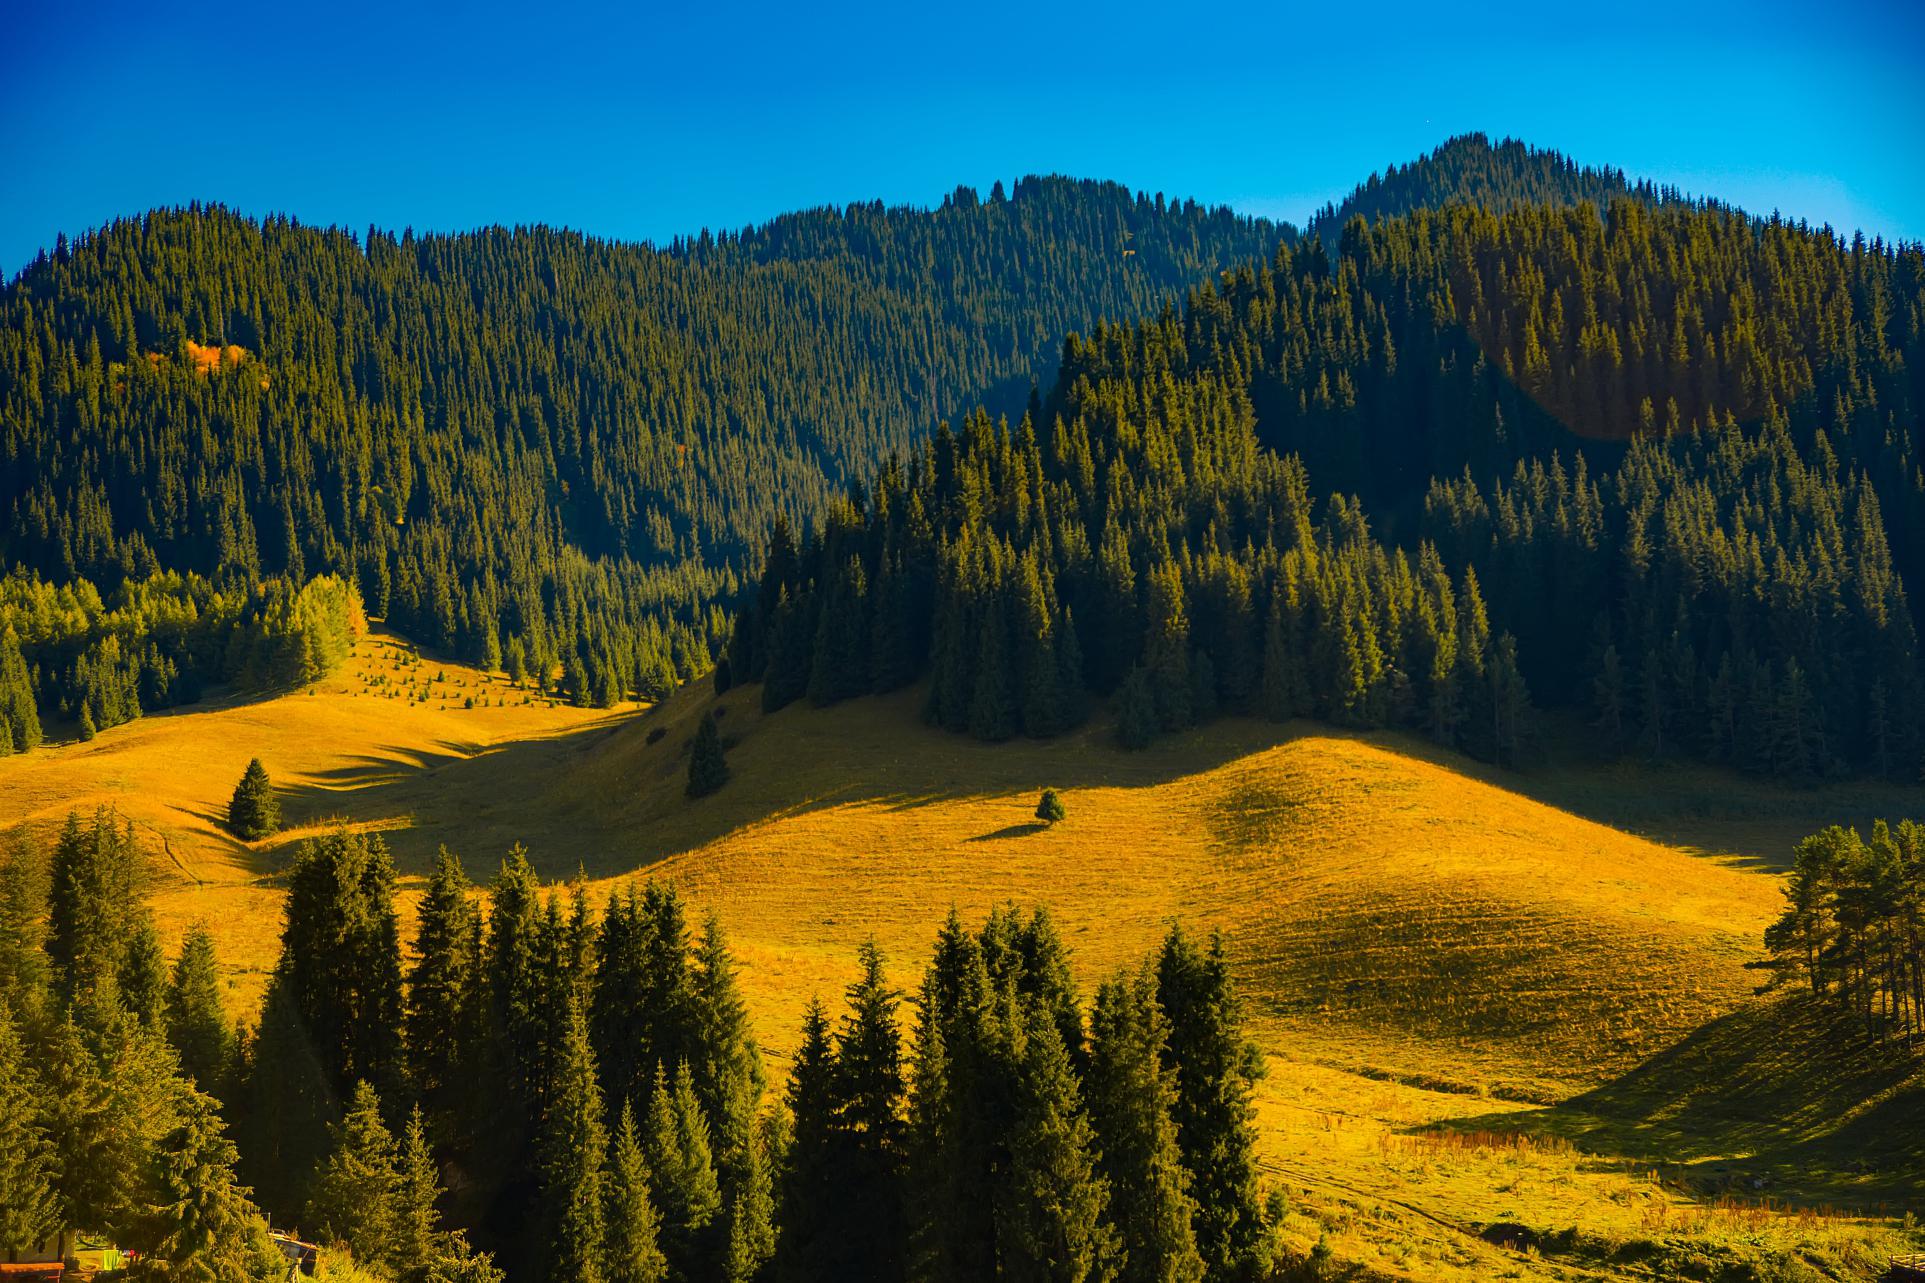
(1440, 959)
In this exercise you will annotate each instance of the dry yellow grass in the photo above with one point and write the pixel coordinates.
(1420, 939)
(172, 773)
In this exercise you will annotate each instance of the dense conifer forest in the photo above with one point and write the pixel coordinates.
(1487, 446)
(528, 445)
(570, 1092)
(1461, 386)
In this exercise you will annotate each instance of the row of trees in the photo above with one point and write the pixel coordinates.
(580, 1092)
(1853, 929)
(156, 642)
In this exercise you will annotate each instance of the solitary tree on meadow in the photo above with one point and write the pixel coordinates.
(254, 813)
(707, 770)
(1050, 808)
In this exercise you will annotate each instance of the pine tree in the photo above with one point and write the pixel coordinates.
(254, 813)
(18, 708)
(1051, 1226)
(357, 1192)
(634, 1230)
(1049, 809)
(574, 1178)
(442, 983)
(417, 1240)
(1137, 722)
(870, 1135)
(676, 1145)
(208, 1231)
(29, 1210)
(197, 1023)
(1132, 1094)
(707, 768)
(1214, 1068)
(141, 978)
(810, 1197)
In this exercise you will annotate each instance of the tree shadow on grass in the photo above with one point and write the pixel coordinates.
(1009, 831)
(1783, 1099)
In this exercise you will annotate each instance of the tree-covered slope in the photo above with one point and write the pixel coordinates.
(1471, 170)
(1731, 585)
(532, 436)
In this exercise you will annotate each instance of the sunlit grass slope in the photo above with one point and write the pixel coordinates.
(384, 712)
(1425, 944)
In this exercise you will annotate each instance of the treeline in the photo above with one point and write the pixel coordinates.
(157, 642)
(1853, 929)
(528, 440)
(1732, 590)
(580, 1090)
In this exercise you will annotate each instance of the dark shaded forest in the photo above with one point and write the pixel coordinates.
(1729, 584)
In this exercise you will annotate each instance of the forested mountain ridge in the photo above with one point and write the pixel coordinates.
(531, 440)
(1471, 170)
(1731, 586)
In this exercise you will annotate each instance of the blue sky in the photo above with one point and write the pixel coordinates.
(641, 122)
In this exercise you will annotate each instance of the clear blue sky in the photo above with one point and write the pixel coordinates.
(637, 123)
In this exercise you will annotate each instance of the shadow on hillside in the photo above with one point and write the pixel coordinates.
(607, 799)
(1009, 831)
(1782, 1099)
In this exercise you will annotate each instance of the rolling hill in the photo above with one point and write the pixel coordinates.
(1481, 1002)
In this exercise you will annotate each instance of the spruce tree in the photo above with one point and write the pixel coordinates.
(94, 906)
(870, 1132)
(810, 1198)
(574, 1148)
(341, 957)
(1214, 1068)
(676, 1145)
(357, 1191)
(708, 770)
(253, 812)
(1137, 722)
(29, 1210)
(417, 1238)
(442, 983)
(23, 905)
(141, 978)
(1051, 1223)
(1132, 1093)
(727, 1071)
(208, 1231)
(197, 1023)
(634, 1252)
(18, 708)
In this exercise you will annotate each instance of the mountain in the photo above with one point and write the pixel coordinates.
(572, 441)
(1729, 585)
(1471, 170)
